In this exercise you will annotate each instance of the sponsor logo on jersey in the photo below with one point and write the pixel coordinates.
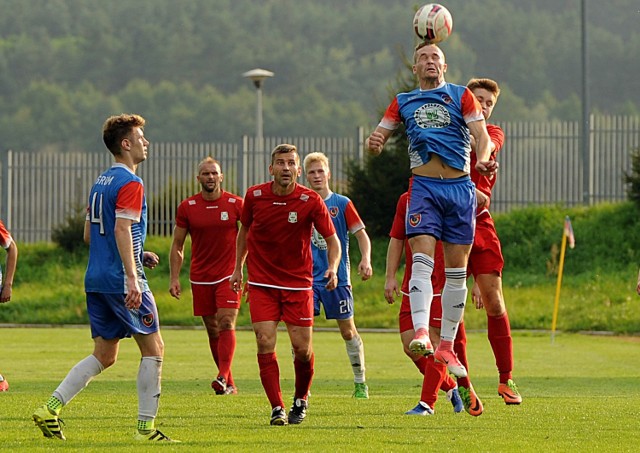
(333, 211)
(224, 215)
(318, 240)
(147, 320)
(293, 217)
(432, 116)
(414, 220)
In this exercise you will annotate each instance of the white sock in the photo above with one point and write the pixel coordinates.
(78, 378)
(454, 297)
(421, 290)
(149, 377)
(355, 351)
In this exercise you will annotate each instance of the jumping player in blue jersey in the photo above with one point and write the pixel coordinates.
(440, 119)
(119, 302)
(338, 304)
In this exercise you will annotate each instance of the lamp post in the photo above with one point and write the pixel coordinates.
(258, 76)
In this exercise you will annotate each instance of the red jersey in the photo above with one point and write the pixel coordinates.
(213, 226)
(5, 236)
(484, 183)
(279, 235)
(398, 231)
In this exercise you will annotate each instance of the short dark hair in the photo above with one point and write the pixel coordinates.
(117, 127)
(282, 149)
(487, 84)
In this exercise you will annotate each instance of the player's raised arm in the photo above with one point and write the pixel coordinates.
(376, 141)
(484, 165)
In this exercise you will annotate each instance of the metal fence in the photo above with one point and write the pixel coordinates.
(541, 163)
(40, 190)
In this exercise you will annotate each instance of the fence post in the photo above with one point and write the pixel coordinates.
(243, 164)
(360, 144)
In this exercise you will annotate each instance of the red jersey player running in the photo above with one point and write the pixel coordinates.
(211, 218)
(275, 238)
(485, 260)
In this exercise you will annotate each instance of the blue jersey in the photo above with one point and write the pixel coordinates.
(346, 220)
(436, 122)
(117, 193)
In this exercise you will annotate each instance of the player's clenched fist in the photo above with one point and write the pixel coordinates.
(375, 143)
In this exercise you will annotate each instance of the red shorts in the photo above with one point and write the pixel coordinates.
(404, 318)
(486, 253)
(274, 304)
(208, 298)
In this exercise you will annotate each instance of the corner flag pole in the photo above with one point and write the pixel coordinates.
(567, 233)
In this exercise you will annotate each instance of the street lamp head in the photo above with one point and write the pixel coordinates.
(257, 76)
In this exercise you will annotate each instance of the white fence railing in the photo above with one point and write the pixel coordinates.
(541, 163)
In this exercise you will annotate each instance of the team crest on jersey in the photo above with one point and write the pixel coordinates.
(257, 193)
(318, 240)
(446, 99)
(224, 215)
(432, 116)
(333, 211)
(414, 220)
(147, 320)
(293, 217)
(192, 202)
(232, 200)
(304, 197)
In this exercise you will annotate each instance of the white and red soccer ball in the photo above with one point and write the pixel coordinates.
(433, 23)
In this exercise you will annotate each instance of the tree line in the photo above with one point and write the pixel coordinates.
(67, 64)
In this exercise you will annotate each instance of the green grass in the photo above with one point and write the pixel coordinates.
(49, 290)
(580, 393)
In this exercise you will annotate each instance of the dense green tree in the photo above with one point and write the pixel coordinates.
(180, 63)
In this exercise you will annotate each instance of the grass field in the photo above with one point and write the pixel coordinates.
(581, 393)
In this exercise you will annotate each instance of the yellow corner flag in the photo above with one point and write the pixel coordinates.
(566, 236)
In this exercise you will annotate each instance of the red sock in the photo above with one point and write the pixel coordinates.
(460, 348)
(226, 349)
(213, 345)
(304, 376)
(421, 364)
(447, 383)
(270, 377)
(434, 373)
(499, 333)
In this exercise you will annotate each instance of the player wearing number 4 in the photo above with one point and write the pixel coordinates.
(485, 260)
(439, 118)
(338, 304)
(119, 302)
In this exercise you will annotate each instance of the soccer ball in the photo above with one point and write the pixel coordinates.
(433, 23)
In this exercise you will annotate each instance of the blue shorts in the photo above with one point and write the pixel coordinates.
(110, 319)
(442, 208)
(338, 304)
